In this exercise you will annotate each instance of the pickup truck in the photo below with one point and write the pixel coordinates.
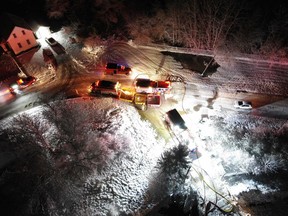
(114, 68)
(145, 85)
(126, 94)
(161, 86)
(21, 84)
(154, 100)
(105, 87)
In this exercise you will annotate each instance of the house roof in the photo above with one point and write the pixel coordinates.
(8, 22)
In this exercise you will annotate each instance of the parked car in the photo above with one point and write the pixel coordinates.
(56, 46)
(21, 83)
(105, 87)
(47, 52)
(49, 58)
(114, 68)
(51, 41)
(242, 104)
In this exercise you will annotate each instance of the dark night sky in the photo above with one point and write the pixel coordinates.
(28, 9)
(35, 9)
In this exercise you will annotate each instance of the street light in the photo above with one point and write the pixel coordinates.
(43, 32)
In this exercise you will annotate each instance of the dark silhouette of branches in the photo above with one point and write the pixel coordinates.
(174, 166)
(56, 150)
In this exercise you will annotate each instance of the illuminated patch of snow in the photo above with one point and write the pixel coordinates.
(247, 185)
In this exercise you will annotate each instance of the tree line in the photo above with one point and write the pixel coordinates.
(243, 26)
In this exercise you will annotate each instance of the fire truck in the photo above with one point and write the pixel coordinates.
(140, 100)
(145, 92)
(146, 85)
(114, 68)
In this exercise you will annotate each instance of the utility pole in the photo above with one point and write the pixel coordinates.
(15, 60)
(202, 74)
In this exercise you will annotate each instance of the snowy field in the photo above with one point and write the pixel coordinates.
(125, 179)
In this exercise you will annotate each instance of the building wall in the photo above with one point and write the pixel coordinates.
(3, 46)
(21, 40)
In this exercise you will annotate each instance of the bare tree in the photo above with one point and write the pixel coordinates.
(275, 44)
(206, 24)
(33, 169)
(198, 24)
(56, 150)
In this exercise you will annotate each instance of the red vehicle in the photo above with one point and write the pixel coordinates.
(161, 86)
(154, 100)
(22, 83)
(49, 57)
(48, 54)
(145, 85)
(114, 68)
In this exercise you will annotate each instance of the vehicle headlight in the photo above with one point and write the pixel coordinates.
(15, 88)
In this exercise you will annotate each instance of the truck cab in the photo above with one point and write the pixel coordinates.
(143, 85)
(146, 85)
(161, 86)
(114, 68)
(105, 87)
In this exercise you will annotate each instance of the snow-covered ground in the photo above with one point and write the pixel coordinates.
(131, 150)
(236, 148)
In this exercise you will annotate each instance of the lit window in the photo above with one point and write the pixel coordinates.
(28, 42)
(19, 45)
(23, 32)
(14, 35)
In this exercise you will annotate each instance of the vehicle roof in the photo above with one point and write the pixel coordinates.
(143, 82)
(244, 102)
(111, 65)
(176, 118)
(27, 78)
(163, 84)
(106, 83)
(51, 39)
(47, 51)
(142, 76)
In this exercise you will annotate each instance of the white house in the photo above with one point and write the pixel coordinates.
(15, 34)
